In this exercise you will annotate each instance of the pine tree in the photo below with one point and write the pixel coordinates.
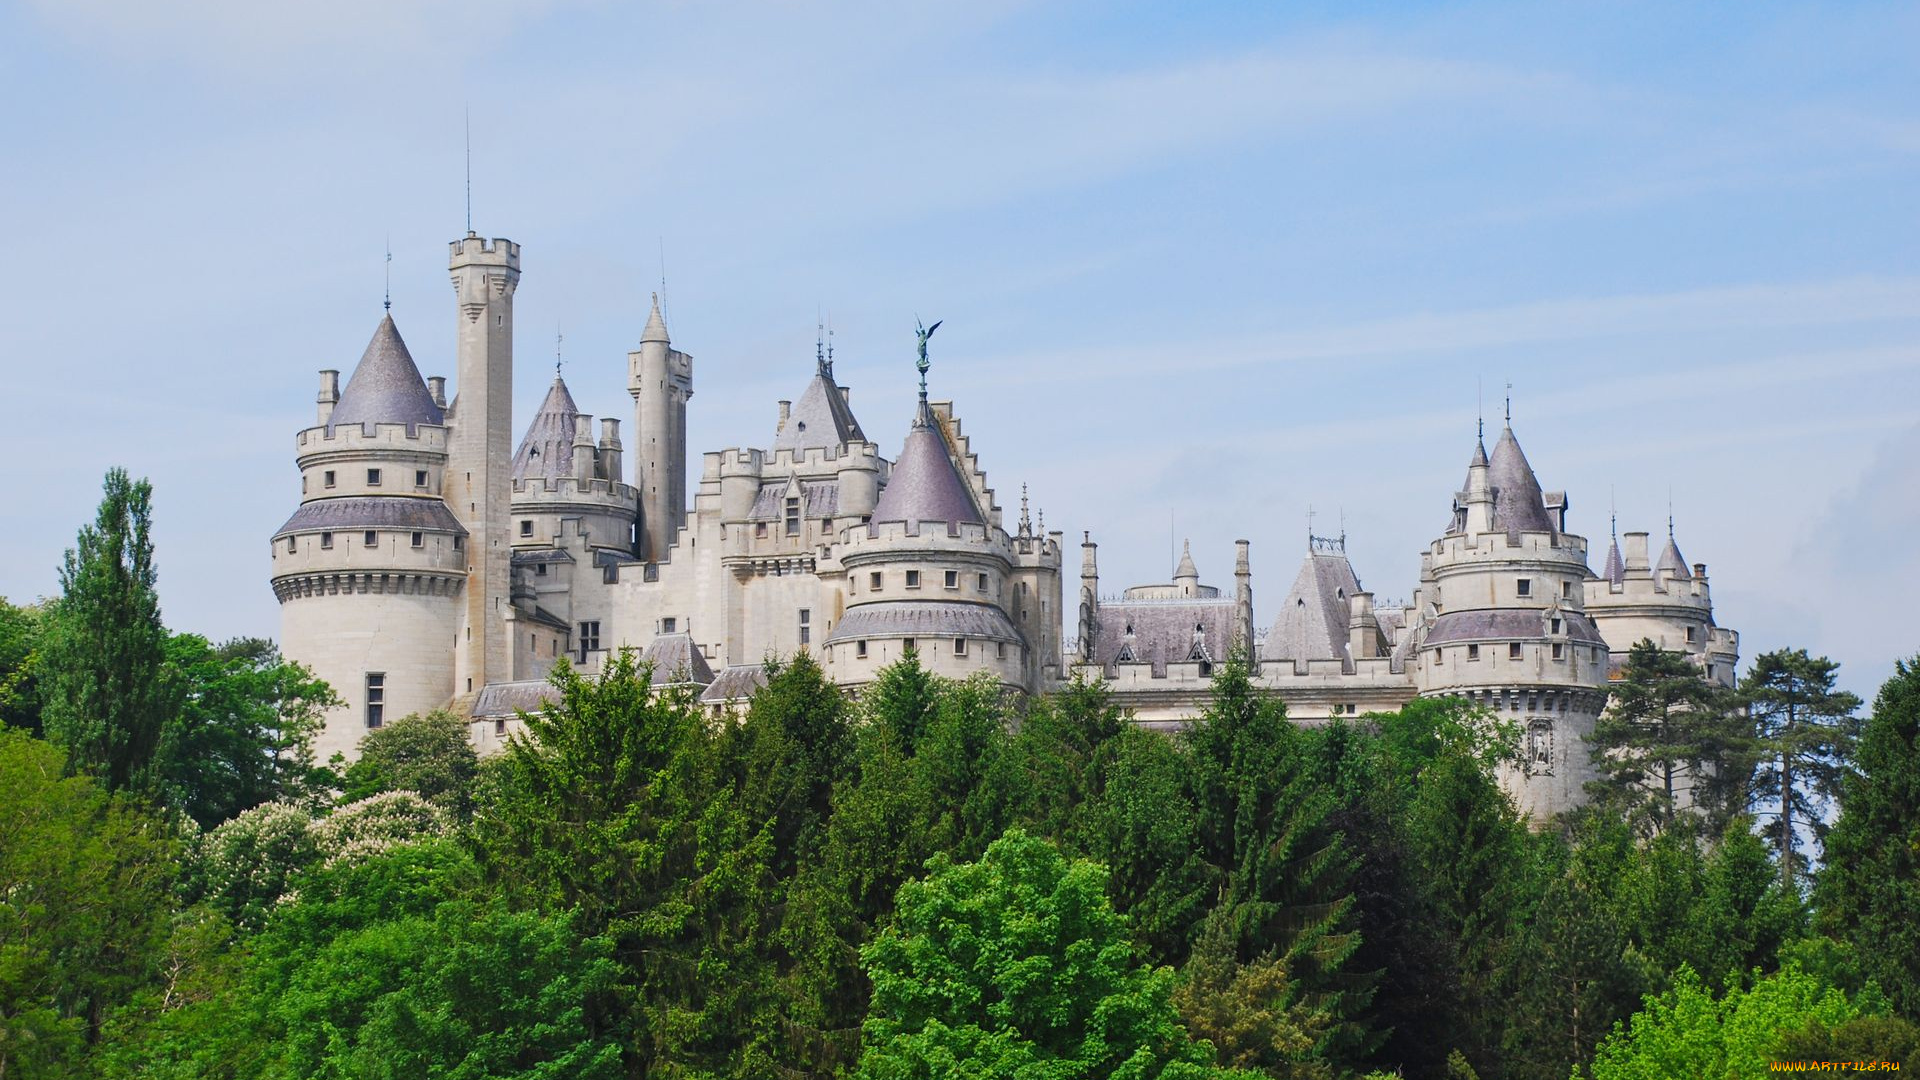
(1805, 730)
(109, 691)
(1667, 750)
(1869, 890)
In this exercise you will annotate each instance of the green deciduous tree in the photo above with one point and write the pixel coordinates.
(107, 690)
(21, 630)
(1686, 1031)
(1669, 749)
(1018, 966)
(1804, 731)
(1868, 893)
(425, 753)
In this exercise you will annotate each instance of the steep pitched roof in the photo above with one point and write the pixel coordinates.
(656, 328)
(677, 660)
(546, 451)
(1159, 632)
(1186, 569)
(1312, 624)
(1671, 559)
(385, 387)
(1616, 569)
(925, 485)
(821, 419)
(1518, 503)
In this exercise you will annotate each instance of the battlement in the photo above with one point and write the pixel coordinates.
(1498, 545)
(473, 249)
(926, 536)
(821, 461)
(386, 438)
(569, 489)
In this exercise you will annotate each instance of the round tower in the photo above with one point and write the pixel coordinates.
(1503, 623)
(1666, 602)
(370, 570)
(559, 474)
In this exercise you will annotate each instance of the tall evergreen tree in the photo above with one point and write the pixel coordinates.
(1869, 890)
(21, 634)
(1668, 749)
(109, 691)
(1804, 730)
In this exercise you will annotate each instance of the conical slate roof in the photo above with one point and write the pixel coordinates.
(821, 418)
(1616, 568)
(546, 452)
(925, 485)
(385, 387)
(1312, 624)
(1518, 506)
(1186, 569)
(656, 329)
(1671, 559)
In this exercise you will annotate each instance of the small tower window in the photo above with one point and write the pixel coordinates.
(1690, 635)
(1566, 590)
(793, 517)
(669, 625)
(459, 542)
(526, 528)
(1556, 626)
(1524, 586)
(999, 650)
(913, 579)
(873, 581)
(293, 544)
(759, 530)
(982, 583)
(419, 478)
(1559, 651)
(376, 698)
(806, 627)
(420, 540)
(373, 538)
(326, 478)
(959, 646)
(860, 649)
(953, 579)
(326, 541)
(1513, 651)
(906, 646)
(1473, 652)
(373, 477)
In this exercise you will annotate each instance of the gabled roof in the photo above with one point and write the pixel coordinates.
(925, 485)
(546, 452)
(1312, 624)
(1157, 632)
(821, 419)
(1518, 504)
(676, 660)
(385, 387)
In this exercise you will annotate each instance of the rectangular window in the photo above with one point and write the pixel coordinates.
(1566, 590)
(1690, 632)
(589, 639)
(539, 569)
(420, 540)
(793, 517)
(1513, 651)
(906, 645)
(1556, 626)
(999, 650)
(1473, 652)
(526, 528)
(327, 478)
(419, 478)
(459, 542)
(982, 583)
(669, 625)
(860, 649)
(373, 538)
(1559, 651)
(759, 530)
(806, 627)
(913, 579)
(373, 477)
(873, 581)
(326, 541)
(293, 544)
(959, 646)
(376, 698)
(953, 579)
(1524, 586)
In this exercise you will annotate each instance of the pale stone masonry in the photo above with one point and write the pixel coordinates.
(427, 566)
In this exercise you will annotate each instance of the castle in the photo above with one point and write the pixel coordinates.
(431, 564)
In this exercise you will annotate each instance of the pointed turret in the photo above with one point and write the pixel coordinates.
(546, 452)
(386, 387)
(1671, 561)
(821, 419)
(1186, 576)
(925, 484)
(656, 329)
(1519, 505)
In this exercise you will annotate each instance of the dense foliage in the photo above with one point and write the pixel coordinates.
(934, 879)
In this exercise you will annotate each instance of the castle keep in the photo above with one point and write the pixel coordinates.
(430, 564)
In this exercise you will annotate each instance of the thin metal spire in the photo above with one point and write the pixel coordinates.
(469, 128)
(819, 342)
(1669, 511)
(663, 275)
(558, 337)
(1509, 404)
(1310, 514)
(1613, 513)
(1479, 409)
(387, 302)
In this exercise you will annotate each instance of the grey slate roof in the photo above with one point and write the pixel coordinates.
(820, 419)
(372, 512)
(926, 618)
(1186, 569)
(385, 387)
(735, 683)
(1616, 569)
(546, 452)
(676, 660)
(509, 699)
(925, 484)
(818, 499)
(1159, 632)
(1518, 504)
(544, 555)
(1671, 559)
(1312, 624)
(1506, 624)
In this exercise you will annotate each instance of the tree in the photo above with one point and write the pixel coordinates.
(108, 690)
(1687, 1032)
(1805, 730)
(21, 637)
(1666, 748)
(242, 732)
(425, 753)
(1017, 966)
(1868, 892)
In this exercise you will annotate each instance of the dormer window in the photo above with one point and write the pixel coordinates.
(793, 517)
(1556, 626)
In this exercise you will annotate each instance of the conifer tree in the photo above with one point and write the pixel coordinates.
(1805, 730)
(1667, 750)
(109, 692)
(1869, 890)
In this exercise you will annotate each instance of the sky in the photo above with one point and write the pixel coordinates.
(1204, 268)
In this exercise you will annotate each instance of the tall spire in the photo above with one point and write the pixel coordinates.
(656, 329)
(387, 301)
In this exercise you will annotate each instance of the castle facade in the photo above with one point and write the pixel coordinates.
(434, 563)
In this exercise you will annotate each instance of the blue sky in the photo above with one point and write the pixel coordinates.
(1213, 264)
